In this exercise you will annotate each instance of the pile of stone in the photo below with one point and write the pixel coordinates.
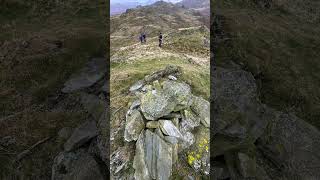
(85, 151)
(161, 120)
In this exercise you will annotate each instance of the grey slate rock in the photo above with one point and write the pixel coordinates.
(168, 128)
(94, 70)
(134, 126)
(81, 135)
(153, 159)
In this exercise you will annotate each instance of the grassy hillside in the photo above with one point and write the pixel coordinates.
(160, 17)
(184, 33)
(42, 44)
(278, 41)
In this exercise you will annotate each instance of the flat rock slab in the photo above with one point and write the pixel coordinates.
(168, 128)
(81, 135)
(153, 159)
(94, 70)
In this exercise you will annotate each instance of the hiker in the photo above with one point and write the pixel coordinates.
(141, 38)
(144, 37)
(160, 40)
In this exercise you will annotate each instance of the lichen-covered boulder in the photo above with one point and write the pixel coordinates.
(155, 104)
(134, 126)
(179, 92)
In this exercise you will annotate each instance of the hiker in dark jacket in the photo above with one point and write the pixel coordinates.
(160, 40)
(141, 38)
(144, 37)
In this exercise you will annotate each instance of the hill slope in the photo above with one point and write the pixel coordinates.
(278, 42)
(186, 44)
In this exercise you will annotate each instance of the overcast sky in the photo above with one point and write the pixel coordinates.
(139, 1)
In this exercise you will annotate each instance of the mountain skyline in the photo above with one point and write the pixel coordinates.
(120, 6)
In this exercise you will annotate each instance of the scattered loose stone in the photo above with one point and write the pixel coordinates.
(134, 126)
(119, 160)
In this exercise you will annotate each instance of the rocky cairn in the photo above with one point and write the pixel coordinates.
(85, 151)
(162, 121)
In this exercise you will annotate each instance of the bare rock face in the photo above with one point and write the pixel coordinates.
(81, 135)
(95, 70)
